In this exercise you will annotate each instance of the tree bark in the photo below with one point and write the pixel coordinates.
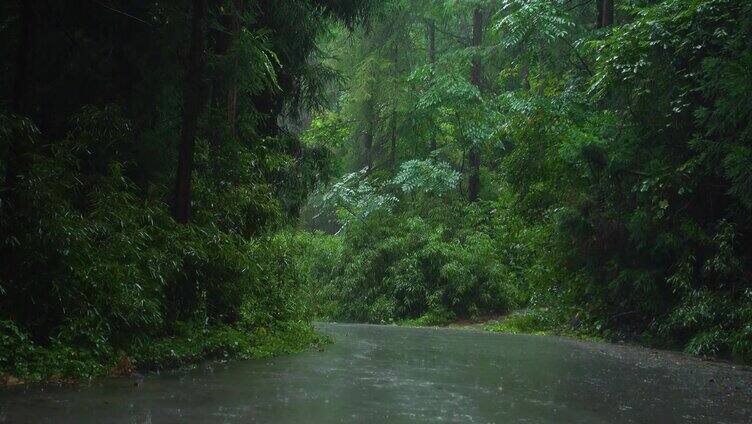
(474, 159)
(605, 13)
(218, 88)
(368, 147)
(525, 76)
(393, 151)
(432, 63)
(608, 13)
(367, 136)
(22, 86)
(193, 101)
(393, 123)
(232, 91)
(224, 90)
(431, 42)
(476, 42)
(20, 101)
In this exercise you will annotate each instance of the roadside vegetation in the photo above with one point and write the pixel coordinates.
(200, 179)
(151, 176)
(587, 162)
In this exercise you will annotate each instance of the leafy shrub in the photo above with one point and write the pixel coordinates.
(392, 267)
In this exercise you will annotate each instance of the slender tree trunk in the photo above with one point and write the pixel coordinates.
(599, 13)
(608, 13)
(22, 86)
(193, 101)
(460, 187)
(367, 136)
(215, 113)
(393, 150)
(476, 42)
(20, 102)
(605, 13)
(393, 121)
(431, 42)
(218, 90)
(224, 98)
(20, 105)
(432, 63)
(232, 92)
(368, 147)
(473, 189)
(525, 76)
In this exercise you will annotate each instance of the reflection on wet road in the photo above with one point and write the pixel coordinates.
(376, 374)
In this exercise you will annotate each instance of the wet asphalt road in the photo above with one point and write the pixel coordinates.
(377, 374)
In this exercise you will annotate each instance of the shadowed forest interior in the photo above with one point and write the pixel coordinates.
(193, 179)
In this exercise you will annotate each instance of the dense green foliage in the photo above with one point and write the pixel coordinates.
(588, 163)
(615, 167)
(94, 266)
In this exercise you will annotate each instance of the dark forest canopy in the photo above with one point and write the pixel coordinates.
(587, 162)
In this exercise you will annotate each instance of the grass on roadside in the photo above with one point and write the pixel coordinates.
(25, 362)
(535, 321)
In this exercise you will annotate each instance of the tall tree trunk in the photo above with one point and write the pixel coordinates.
(20, 102)
(608, 13)
(215, 112)
(393, 150)
(432, 63)
(431, 42)
(598, 13)
(218, 87)
(232, 90)
(473, 189)
(367, 136)
(22, 86)
(368, 147)
(476, 42)
(605, 13)
(193, 101)
(525, 76)
(224, 97)
(460, 187)
(393, 120)
(20, 105)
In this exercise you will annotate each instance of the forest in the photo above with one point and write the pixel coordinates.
(588, 165)
(194, 179)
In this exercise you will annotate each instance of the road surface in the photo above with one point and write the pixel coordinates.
(387, 374)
